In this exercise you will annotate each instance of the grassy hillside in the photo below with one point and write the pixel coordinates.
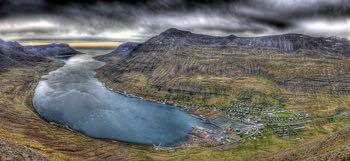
(22, 126)
(331, 147)
(27, 135)
(307, 83)
(211, 93)
(234, 82)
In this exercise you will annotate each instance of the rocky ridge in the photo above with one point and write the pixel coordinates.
(173, 39)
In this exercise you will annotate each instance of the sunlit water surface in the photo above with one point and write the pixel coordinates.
(72, 96)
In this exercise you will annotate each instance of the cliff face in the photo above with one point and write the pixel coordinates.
(293, 42)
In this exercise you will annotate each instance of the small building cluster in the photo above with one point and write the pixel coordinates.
(283, 122)
(285, 130)
(213, 137)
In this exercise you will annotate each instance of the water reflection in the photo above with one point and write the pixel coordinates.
(72, 96)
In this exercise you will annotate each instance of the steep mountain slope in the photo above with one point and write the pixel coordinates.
(289, 43)
(209, 74)
(297, 62)
(121, 51)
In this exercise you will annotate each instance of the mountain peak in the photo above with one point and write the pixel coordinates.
(175, 32)
(10, 43)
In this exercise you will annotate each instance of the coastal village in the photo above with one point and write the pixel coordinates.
(246, 122)
(235, 128)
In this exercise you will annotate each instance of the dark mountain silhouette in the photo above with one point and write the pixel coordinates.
(12, 54)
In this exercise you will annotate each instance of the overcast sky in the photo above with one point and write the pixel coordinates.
(137, 20)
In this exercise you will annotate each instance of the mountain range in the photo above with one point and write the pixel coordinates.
(175, 53)
(296, 72)
(206, 73)
(174, 39)
(13, 54)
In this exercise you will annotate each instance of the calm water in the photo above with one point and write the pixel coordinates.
(72, 96)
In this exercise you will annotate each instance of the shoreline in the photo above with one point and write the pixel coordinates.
(186, 141)
(124, 93)
(191, 110)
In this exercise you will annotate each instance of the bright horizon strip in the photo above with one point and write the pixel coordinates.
(78, 44)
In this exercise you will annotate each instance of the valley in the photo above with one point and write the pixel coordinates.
(174, 80)
(296, 98)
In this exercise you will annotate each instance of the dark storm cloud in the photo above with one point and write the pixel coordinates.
(139, 19)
